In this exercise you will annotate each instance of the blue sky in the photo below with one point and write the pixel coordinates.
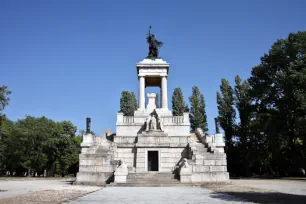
(68, 60)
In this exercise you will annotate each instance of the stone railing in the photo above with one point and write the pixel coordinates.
(121, 119)
(128, 119)
(173, 120)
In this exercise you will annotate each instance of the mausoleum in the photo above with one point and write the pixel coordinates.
(153, 145)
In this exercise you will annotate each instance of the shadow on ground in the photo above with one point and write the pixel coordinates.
(262, 197)
(70, 182)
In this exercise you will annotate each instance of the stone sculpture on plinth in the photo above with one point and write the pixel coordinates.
(154, 122)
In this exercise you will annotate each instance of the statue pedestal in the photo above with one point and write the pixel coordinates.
(146, 112)
(153, 133)
(121, 173)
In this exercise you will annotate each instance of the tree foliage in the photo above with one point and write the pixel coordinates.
(128, 103)
(198, 118)
(278, 87)
(227, 114)
(4, 99)
(178, 103)
(35, 144)
(270, 135)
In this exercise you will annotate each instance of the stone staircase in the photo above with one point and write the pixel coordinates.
(151, 179)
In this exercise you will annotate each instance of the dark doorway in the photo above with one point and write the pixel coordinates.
(152, 160)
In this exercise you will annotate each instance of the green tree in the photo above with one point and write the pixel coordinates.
(178, 103)
(7, 132)
(198, 118)
(4, 101)
(35, 144)
(61, 149)
(128, 103)
(246, 143)
(33, 133)
(243, 103)
(134, 101)
(278, 87)
(226, 118)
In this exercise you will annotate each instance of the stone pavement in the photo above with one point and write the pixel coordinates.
(157, 195)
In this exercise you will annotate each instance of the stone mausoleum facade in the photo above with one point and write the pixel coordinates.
(153, 142)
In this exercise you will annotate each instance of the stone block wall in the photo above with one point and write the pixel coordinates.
(93, 178)
(169, 158)
(95, 169)
(127, 155)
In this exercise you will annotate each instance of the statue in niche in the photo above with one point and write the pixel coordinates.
(148, 123)
(154, 45)
(154, 122)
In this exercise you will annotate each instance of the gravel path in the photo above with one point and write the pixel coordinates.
(154, 195)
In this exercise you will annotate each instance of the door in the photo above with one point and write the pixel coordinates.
(152, 160)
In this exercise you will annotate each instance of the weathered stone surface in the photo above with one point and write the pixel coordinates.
(121, 173)
(93, 178)
(210, 177)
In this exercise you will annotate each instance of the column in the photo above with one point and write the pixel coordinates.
(160, 98)
(164, 93)
(141, 99)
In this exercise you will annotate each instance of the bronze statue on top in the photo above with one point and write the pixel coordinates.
(154, 45)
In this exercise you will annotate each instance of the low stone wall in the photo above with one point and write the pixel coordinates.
(94, 178)
(204, 177)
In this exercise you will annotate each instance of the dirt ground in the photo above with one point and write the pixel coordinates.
(265, 191)
(281, 191)
(47, 191)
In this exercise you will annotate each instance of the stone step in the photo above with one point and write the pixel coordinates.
(152, 178)
(152, 184)
(151, 175)
(153, 181)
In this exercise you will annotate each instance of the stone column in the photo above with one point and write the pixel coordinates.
(160, 98)
(164, 93)
(141, 99)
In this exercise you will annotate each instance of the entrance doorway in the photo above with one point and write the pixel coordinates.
(152, 160)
